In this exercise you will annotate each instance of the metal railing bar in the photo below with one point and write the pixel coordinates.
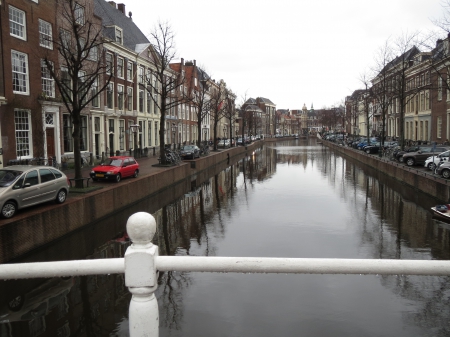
(230, 265)
(302, 265)
(62, 268)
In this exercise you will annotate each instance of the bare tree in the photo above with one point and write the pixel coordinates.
(218, 106)
(366, 102)
(200, 100)
(382, 89)
(81, 64)
(164, 84)
(230, 112)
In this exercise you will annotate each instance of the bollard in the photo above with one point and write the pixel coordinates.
(141, 277)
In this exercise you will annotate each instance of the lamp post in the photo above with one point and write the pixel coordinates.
(205, 131)
(236, 136)
(224, 135)
(174, 130)
(134, 129)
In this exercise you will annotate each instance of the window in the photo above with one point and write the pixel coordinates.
(83, 133)
(130, 138)
(149, 133)
(120, 67)
(130, 98)
(20, 72)
(120, 97)
(109, 95)
(122, 134)
(109, 64)
(149, 102)
(67, 133)
(79, 14)
(45, 34)
(439, 127)
(93, 53)
(94, 93)
(141, 74)
(119, 37)
(141, 100)
(130, 71)
(17, 27)
(439, 88)
(65, 38)
(66, 83)
(48, 84)
(97, 124)
(22, 123)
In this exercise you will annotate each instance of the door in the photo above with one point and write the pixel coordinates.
(50, 135)
(111, 144)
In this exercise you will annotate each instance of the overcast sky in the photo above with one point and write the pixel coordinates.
(290, 51)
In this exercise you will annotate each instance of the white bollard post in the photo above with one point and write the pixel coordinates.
(141, 276)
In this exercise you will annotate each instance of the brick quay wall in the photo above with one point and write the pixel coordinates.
(38, 226)
(434, 186)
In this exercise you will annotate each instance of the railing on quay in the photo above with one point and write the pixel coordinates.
(142, 282)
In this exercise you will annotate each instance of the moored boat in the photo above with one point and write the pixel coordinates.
(442, 211)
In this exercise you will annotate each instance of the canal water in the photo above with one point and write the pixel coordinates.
(290, 199)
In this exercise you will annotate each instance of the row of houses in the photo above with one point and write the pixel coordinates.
(35, 122)
(407, 99)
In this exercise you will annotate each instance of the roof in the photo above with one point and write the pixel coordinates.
(111, 16)
(265, 100)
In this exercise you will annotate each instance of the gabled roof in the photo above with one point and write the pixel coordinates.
(132, 35)
(265, 100)
(250, 101)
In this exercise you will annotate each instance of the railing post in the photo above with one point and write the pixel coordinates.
(141, 276)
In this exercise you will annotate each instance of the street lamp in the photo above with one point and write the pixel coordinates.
(134, 129)
(174, 130)
(205, 131)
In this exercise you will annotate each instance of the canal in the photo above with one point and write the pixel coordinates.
(286, 199)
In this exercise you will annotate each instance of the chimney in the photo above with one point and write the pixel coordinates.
(112, 3)
(182, 61)
(121, 7)
(195, 63)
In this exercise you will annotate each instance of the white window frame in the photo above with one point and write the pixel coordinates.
(109, 67)
(45, 34)
(129, 101)
(120, 97)
(23, 132)
(120, 67)
(93, 53)
(23, 75)
(48, 83)
(15, 24)
(130, 71)
(118, 37)
(79, 13)
(110, 89)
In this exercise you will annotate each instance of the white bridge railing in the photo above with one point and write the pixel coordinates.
(142, 282)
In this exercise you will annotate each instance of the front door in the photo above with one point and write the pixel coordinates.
(50, 134)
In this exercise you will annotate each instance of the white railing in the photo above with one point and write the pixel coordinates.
(142, 282)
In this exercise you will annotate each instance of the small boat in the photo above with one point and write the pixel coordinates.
(441, 211)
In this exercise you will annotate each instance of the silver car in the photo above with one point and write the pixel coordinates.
(25, 185)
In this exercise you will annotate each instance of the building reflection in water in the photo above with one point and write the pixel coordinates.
(193, 218)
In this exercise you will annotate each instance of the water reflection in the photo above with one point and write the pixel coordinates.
(294, 199)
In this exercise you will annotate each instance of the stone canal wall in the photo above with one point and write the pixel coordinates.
(38, 226)
(434, 186)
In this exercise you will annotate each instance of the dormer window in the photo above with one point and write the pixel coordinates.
(119, 35)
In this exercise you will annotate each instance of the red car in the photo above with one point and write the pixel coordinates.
(116, 168)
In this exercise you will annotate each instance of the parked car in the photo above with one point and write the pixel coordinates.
(419, 157)
(432, 161)
(116, 168)
(399, 153)
(25, 185)
(443, 170)
(189, 152)
(224, 143)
